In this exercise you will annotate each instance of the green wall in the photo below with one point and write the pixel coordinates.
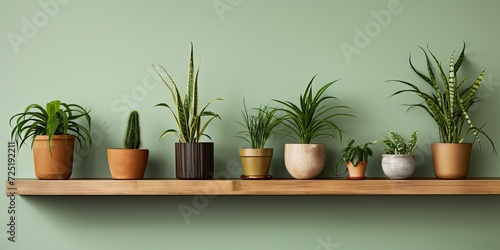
(99, 54)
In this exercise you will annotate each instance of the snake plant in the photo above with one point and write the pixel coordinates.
(449, 99)
(185, 111)
(311, 118)
(57, 118)
(395, 144)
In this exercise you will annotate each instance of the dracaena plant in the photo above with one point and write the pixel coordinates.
(311, 118)
(260, 126)
(447, 99)
(395, 144)
(57, 118)
(185, 112)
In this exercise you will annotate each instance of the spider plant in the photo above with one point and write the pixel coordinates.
(448, 99)
(395, 144)
(185, 111)
(259, 127)
(57, 118)
(311, 118)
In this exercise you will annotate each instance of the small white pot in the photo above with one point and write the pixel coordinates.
(398, 167)
(305, 161)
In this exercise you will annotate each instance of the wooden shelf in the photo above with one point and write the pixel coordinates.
(485, 186)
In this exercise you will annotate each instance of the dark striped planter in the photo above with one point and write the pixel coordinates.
(194, 161)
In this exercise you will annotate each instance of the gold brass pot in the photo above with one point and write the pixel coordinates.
(451, 160)
(256, 161)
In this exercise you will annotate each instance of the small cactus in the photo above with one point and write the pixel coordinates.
(133, 135)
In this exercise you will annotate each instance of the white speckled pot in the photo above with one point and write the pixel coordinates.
(305, 161)
(398, 167)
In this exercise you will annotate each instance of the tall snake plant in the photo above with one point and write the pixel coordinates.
(449, 99)
(185, 112)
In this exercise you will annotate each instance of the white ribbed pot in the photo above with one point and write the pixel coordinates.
(305, 161)
(398, 167)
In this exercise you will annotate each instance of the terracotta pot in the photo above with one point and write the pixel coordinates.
(305, 161)
(358, 171)
(57, 166)
(398, 167)
(451, 160)
(256, 161)
(194, 161)
(127, 164)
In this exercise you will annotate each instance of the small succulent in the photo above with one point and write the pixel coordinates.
(396, 144)
(355, 154)
(133, 135)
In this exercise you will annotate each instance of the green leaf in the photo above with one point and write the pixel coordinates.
(449, 99)
(56, 118)
(185, 112)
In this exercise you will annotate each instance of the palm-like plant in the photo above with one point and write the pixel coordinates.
(185, 112)
(395, 144)
(311, 118)
(57, 118)
(259, 127)
(449, 99)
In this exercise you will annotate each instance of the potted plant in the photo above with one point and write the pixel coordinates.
(256, 160)
(129, 163)
(398, 160)
(356, 159)
(448, 101)
(193, 159)
(53, 131)
(308, 120)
